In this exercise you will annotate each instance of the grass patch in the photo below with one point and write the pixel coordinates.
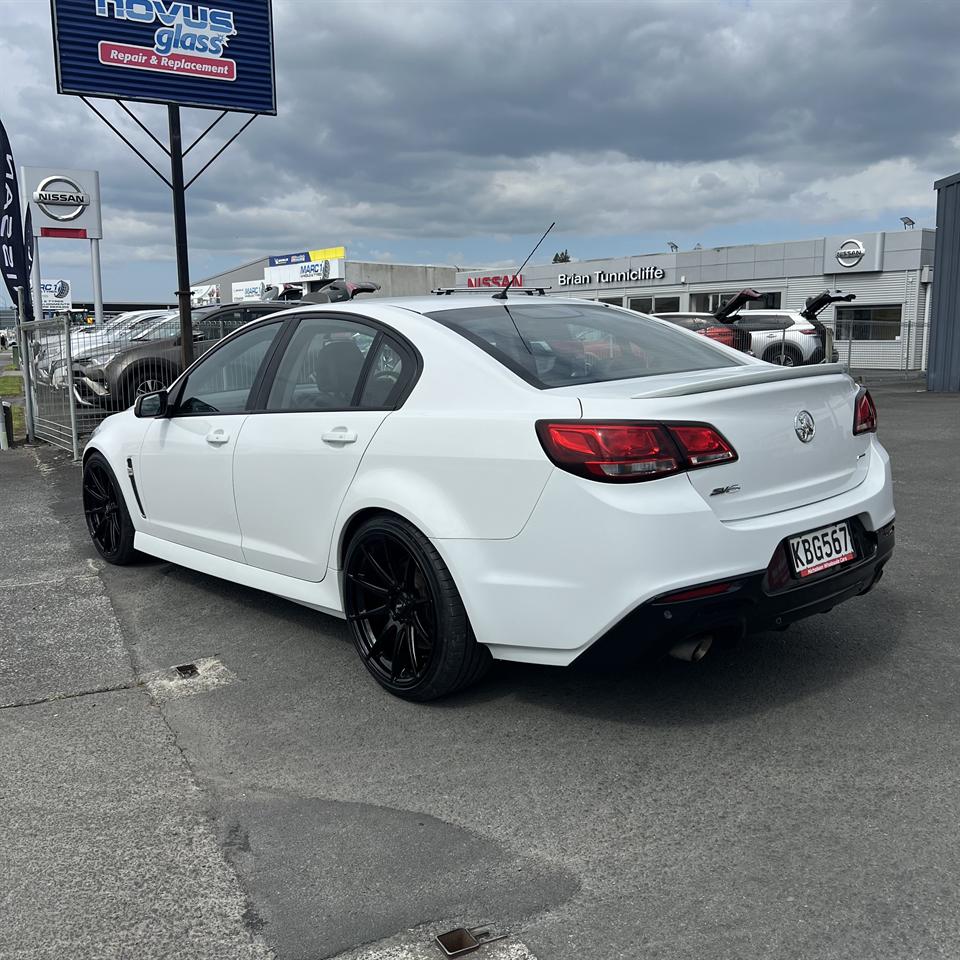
(19, 423)
(11, 386)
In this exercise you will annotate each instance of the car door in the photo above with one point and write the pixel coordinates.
(325, 397)
(185, 466)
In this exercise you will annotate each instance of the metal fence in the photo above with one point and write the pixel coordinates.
(79, 375)
(896, 346)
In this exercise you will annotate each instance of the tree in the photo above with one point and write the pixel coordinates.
(562, 256)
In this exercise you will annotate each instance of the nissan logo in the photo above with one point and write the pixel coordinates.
(804, 426)
(60, 198)
(850, 253)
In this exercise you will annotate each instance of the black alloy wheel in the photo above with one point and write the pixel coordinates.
(406, 617)
(108, 520)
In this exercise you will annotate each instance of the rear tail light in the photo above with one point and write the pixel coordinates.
(864, 413)
(811, 333)
(721, 334)
(628, 451)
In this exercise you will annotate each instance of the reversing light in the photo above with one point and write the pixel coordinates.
(628, 451)
(702, 444)
(864, 413)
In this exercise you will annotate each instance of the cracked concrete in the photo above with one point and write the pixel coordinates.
(107, 848)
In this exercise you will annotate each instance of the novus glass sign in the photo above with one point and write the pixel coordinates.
(217, 55)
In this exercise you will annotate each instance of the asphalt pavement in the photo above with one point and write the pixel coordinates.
(797, 796)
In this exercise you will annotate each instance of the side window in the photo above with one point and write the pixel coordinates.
(322, 365)
(219, 325)
(222, 383)
(386, 376)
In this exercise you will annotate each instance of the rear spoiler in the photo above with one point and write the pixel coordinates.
(748, 375)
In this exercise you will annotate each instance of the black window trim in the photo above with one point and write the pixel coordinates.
(176, 394)
(411, 356)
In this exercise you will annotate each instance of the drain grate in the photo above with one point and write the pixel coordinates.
(455, 943)
(187, 679)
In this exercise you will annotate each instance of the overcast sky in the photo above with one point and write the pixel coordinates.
(454, 132)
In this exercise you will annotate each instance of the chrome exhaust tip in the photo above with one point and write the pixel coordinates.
(692, 650)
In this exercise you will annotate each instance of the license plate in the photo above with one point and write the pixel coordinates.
(821, 549)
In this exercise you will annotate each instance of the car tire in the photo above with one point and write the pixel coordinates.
(792, 357)
(105, 510)
(144, 378)
(407, 620)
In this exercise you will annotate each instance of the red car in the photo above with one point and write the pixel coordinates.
(706, 325)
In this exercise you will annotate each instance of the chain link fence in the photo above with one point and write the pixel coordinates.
(882, 348)
(80, 375)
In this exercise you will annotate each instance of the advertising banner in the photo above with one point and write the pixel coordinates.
(217, 54)
(57, 295)
(247, 290)
(63, 203)
(205, 295)
(325, 264)
(13, 253)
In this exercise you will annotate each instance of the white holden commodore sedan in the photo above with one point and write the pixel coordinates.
(467, 477)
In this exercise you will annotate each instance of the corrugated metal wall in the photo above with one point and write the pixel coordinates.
(904, 353)
(943, 374)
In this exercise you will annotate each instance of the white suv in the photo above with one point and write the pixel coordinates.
(790, 345)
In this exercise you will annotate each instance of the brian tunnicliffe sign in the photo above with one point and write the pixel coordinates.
(603, 276)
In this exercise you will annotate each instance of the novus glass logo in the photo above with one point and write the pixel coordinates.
(190, 38)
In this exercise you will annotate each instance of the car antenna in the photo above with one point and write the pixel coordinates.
(502, 295)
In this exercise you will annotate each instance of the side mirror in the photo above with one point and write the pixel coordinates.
(151, 405)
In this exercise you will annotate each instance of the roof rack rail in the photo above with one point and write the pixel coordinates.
(496, 291)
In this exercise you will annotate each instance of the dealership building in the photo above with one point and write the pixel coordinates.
(307, 271)
(886, 326)
(891, 274)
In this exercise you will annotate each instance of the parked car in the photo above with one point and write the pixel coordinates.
(113, 377)
(706, 325)
(458, 478)
(49, 363)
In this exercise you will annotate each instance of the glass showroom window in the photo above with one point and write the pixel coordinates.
(642, 304)
(869, 323)
(666, 304)
(711, 302)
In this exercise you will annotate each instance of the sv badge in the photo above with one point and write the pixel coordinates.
(720, 491)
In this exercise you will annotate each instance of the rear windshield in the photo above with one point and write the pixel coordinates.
(561, 344)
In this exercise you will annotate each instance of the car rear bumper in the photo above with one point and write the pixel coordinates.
(592, 555)
(751, 605)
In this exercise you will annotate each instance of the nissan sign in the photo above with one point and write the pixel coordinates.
(851, 252)
(64, 203)
(61, 198)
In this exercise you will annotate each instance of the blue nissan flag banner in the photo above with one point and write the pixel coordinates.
(13, 257)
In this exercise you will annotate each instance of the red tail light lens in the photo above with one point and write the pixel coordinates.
(720, 334)
(626, 451)
(864, 413)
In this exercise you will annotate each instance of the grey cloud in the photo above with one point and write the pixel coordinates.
(458, 120)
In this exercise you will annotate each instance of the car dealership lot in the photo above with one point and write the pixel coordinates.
(794, 797)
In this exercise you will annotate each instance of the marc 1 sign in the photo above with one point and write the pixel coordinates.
(217, 54)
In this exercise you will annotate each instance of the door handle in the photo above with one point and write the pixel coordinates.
(216, 437)
(340, 435)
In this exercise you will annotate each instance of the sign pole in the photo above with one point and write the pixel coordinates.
(25, 360)
(35, 281)
(180, 234)
(97, 285)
